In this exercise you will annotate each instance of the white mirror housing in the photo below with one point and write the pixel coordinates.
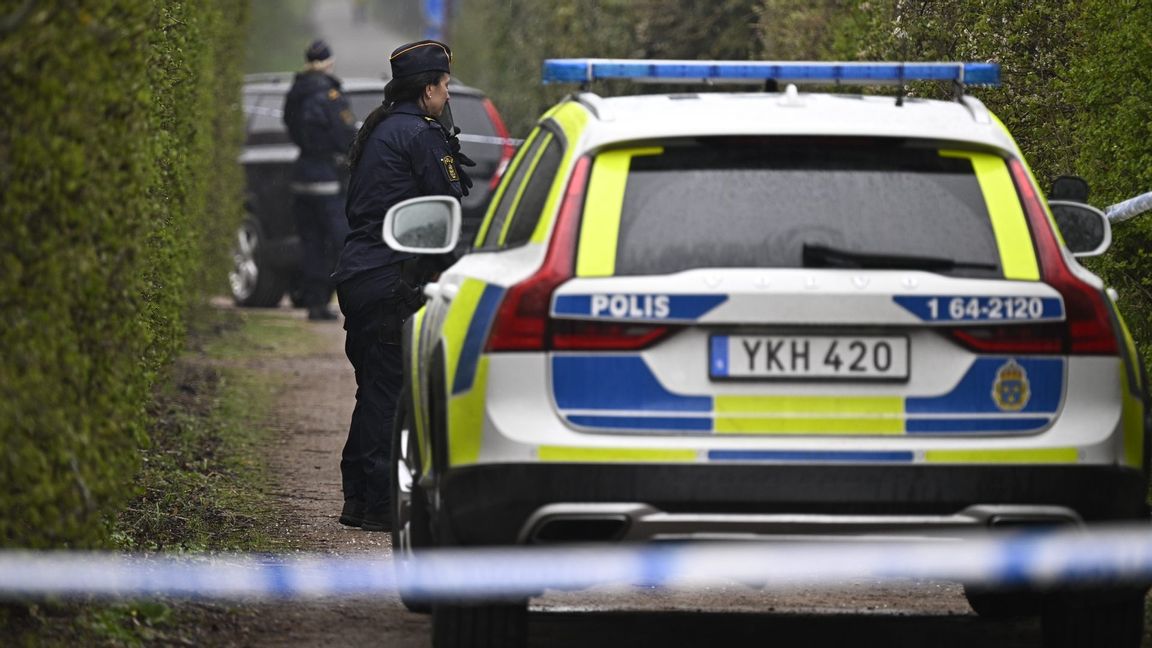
(423, 225)
(1085, 230)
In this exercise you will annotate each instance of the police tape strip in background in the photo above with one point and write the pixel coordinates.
(1051, 559)
(1130, 208)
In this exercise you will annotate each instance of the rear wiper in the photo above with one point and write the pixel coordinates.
(822, 256)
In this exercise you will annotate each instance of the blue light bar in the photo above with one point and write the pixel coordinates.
(798, 72)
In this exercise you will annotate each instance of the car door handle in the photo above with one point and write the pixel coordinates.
(444, 291)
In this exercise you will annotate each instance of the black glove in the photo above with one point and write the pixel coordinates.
(461, 160)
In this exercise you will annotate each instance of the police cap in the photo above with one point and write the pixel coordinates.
(421, 56)
(318, 51)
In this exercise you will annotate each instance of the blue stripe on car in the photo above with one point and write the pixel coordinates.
(616, 383)
(695, 424)
(804, 455)
(474, 339)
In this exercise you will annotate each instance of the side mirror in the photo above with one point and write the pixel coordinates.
(424, 225)
(1069, 187)
(1085, 229)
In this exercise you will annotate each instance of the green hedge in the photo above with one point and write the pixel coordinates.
(119, 184)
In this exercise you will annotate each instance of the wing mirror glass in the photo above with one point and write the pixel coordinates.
(424, 225)
(1085, 229)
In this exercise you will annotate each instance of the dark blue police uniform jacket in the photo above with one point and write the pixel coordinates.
(406, 156)
(321, 123)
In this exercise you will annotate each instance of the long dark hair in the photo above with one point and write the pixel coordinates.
(407, 88)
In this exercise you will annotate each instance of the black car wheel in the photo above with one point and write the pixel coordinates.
(254, 283)
(481, 625)
(1094, 618)
(410, 524)
(1003, 604)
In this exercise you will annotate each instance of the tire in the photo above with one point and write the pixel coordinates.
(296, 296)
(998, 604)
(1088, 619)
(254, 283)
(410, 522)
(480, 625)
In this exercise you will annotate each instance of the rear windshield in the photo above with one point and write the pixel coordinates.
(726, 202)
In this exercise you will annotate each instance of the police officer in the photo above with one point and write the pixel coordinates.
(402, 151)
(321, 123)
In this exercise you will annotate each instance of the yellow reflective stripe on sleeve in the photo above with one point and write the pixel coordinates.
(1023, 456)
(509, 173)
(561, 453)
(1014, 240)
(600, 226)
(532, 164)
(571, 117)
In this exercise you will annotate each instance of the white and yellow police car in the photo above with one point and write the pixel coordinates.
(758, 314)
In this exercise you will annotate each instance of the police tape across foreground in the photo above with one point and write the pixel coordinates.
(1044, 559)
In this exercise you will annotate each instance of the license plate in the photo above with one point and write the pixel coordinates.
(819, 357)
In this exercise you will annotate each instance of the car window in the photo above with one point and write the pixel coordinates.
(725, 202)
(527, 213)
(511, 189)
(469, 114)
(266, 119)
(363, 103)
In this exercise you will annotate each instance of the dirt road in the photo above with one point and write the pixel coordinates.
(310, 423)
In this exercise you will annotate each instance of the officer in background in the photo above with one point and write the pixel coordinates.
(321, 123)
(402, 151)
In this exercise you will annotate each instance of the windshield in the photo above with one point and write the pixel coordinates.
(727, 202)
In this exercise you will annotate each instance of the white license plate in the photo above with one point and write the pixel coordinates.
(832, 357)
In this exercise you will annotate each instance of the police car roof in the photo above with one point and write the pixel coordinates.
(640, 117)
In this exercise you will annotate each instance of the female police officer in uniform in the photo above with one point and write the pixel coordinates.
(402, 151)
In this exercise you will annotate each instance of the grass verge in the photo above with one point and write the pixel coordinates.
(202, 484)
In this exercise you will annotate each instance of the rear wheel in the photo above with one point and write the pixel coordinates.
(481, 625)
(410, 524)
(1101, 618)
(253, 281)
(1001, 604)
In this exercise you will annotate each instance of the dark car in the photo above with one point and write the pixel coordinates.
(266, 252)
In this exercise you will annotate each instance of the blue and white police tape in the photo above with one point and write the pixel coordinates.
(1053, 559)
(1130, 208)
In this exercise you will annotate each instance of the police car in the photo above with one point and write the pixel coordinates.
(769, 314)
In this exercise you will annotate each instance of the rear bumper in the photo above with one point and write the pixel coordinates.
(493, 504)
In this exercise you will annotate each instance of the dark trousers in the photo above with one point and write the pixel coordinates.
(322, 226)
(366, 464)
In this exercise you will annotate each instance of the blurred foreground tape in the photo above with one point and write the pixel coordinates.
(1048, 559)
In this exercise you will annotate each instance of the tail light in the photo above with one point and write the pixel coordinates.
(506, 149)
(1014, 339)
(521, 324)
(579, 335)
(1088, 316)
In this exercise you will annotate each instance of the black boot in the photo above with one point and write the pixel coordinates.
(320, 314)
(377, 518)
(353, 513)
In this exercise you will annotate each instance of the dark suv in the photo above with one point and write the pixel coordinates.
(266, 251)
